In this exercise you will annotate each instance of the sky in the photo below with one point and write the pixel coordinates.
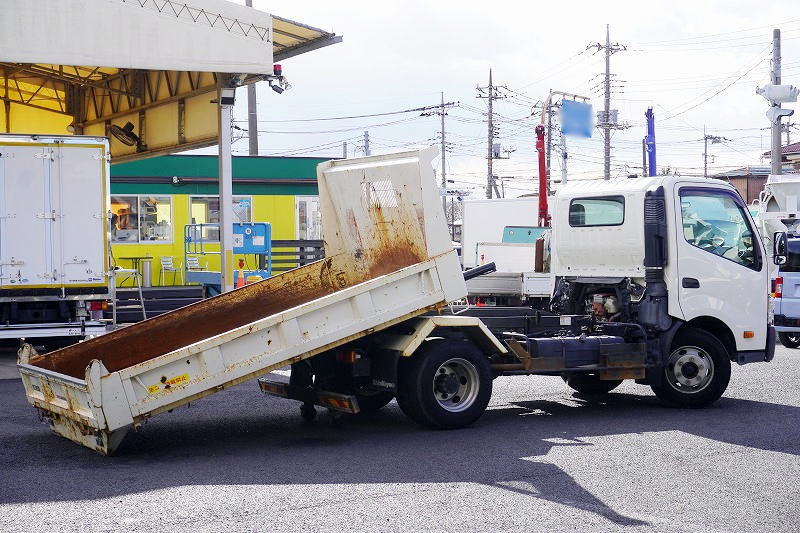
(696, 63)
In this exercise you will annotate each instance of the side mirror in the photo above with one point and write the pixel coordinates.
(779, 248)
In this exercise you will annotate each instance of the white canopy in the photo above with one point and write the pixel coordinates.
(190, 35)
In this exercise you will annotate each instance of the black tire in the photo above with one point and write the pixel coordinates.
(369, 402)
(591, 384)
(790, 340)
(697, 372)
(464, 384)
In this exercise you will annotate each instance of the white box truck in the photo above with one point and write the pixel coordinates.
(660, 280)
(54, 204)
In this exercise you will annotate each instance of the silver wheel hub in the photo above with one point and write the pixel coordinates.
(690, 369)
(456, 385)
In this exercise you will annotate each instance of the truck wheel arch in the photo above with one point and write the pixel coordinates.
(717, 328)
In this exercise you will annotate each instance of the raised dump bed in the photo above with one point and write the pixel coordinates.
(388, 258)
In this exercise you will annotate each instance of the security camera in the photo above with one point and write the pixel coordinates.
(227, 96)
(277, 88)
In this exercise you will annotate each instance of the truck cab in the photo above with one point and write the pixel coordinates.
(678, 256)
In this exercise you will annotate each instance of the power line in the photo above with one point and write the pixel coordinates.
(720, 91)
(387, 113)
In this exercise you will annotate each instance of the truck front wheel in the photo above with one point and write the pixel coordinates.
(790, 340)
(446, 385)
(697, 372)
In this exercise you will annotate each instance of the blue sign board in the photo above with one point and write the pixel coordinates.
(576, 118)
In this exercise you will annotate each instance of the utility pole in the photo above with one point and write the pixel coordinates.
(366, 144)
(715, 139)
(776, 124)
(344, 150)
(606, 123)
(787, 128)
(491, 95)
(252, 115)
(444, 171)
(644, 157)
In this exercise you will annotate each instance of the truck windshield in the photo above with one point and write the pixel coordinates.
(714, 220)
(792, 256)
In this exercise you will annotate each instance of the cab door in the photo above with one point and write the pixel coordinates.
(722, 271)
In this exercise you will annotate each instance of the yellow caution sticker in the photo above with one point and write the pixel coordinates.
(177, 380)
(167, 383)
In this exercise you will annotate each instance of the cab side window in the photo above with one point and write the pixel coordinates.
(599, 211)
(714, 221)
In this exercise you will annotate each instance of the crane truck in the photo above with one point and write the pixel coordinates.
(660, 280)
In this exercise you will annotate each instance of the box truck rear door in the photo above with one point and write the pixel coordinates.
(26, 216)
(80, 227)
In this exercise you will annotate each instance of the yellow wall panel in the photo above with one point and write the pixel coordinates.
(161, 126)
(26, 119)
(201, 117)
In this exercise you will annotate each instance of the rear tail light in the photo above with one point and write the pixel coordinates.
(778, 293)
(98, 306)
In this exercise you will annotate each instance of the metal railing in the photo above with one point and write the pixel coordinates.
(289, 254)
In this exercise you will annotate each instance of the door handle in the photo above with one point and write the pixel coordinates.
(690, 283)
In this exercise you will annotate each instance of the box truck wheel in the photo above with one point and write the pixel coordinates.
(591, 384)
(790, 340)
(697, 372)
(446, 385)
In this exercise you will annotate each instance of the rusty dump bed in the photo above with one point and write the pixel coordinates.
(371, 228)
(389, 258)
(160, 335)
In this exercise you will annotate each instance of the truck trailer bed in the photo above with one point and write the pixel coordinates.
(389, 258)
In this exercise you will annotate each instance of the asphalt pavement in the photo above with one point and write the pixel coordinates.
(540, 459)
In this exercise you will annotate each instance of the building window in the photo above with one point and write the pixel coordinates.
(141, 218)
(155, 218)
(124, 219)
(205, 210)
(309, 221)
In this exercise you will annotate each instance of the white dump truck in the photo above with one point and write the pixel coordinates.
(54, 201)
(644, 291)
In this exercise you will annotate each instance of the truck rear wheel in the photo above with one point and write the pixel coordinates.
(697, 372)
(591, 384)
(790, 340)
(446, 385)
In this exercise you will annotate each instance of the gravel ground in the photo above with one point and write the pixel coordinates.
(540, 459)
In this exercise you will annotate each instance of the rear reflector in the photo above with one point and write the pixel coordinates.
(276, 388)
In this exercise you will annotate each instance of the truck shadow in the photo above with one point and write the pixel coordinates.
(239, 437)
